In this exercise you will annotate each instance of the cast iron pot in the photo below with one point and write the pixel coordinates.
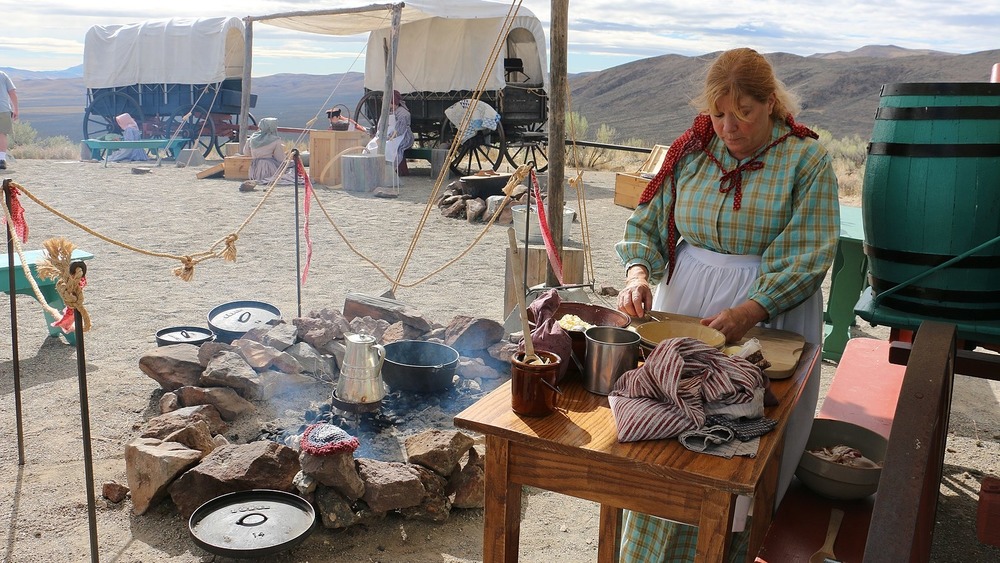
(184, 335)
(419, 367)
(232, 320)
(252, 524)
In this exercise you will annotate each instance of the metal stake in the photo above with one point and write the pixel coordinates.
(298, 266)
(15, 359)
(88, 457)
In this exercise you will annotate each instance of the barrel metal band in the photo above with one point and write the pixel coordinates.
(925, 150)
(937, 113)
(935, 294)
(929, 260)
(943, 311)
(941, 89)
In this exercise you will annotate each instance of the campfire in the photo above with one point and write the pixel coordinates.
(246, 415)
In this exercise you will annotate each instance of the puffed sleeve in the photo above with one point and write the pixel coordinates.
(645, 238)
(795, 263)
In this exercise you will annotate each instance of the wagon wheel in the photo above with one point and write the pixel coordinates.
(193, 122)
(368, 110)
(227, 130)
(99, 118)
(528, 143)
(485, 150)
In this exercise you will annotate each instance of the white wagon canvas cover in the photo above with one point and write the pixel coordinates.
(174, 51)
(444, 45)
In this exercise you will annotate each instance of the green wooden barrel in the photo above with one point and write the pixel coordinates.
(932, 193)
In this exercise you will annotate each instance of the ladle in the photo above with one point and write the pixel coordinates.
(522, 308)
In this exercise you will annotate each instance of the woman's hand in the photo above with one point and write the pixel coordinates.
(735, 322)
(637, 296)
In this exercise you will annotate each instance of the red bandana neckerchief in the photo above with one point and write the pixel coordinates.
(697, 139)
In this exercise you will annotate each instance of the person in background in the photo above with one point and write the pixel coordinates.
(267, 154)
(8, 113)
(398, 136)
(130, 132)
(738, 228)
(340, 123)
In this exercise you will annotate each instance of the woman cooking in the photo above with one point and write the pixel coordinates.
(738, 228)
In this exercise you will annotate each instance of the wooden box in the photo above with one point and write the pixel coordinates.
(538, 271)
(325, 149)
(629, 186)
(236, 167)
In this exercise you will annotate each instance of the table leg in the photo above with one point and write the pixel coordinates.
(763, 504)
(609, 535)
(502, 505)
(715, 528)
(846, 284)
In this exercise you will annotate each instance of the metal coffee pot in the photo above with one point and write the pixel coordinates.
(361, 371)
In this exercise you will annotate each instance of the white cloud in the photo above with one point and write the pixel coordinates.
(51, 32)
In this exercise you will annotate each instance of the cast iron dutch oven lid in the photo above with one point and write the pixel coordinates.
(183, 335)
(250, 524)
(232, 320)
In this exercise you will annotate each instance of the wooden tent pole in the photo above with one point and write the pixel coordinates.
(245, 92)
(557, 126)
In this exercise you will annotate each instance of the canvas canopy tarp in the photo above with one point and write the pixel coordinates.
(443, 45)
(174, 51)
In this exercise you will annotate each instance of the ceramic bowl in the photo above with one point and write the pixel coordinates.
(835, 480)
(654, 332)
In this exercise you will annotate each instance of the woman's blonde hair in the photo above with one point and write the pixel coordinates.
(744, 72)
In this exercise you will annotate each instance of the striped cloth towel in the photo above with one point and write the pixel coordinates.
(668, 393)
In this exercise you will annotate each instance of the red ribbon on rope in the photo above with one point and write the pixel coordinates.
(17, 213)
(309, 195)
(543, 224)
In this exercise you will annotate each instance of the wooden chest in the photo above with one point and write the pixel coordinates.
(325, 150)
(629, 186)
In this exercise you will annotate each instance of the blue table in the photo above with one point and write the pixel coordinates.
(850, 267)
(98, 147)
(46, 286)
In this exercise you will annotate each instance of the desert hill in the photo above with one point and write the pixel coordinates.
(646, 99)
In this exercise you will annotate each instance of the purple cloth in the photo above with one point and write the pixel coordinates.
(547, 335)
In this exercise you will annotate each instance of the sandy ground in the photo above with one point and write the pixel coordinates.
(131, 295)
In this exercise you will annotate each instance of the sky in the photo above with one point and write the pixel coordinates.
(49, 34)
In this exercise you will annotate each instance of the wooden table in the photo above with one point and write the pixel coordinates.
(575, 451)
(47, 287)
(846, 283)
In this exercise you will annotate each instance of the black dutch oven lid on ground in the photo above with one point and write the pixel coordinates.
(232, 320)
(183, 335)
(252, 524)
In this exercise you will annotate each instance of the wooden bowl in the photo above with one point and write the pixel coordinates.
(654, 332)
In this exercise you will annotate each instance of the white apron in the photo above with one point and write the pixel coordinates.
(729, 278)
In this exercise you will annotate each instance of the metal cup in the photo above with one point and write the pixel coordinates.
(611, 351)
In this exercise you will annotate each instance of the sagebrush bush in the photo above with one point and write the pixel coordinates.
(24, 143)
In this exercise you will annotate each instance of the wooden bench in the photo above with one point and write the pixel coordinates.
(47, 287)
(102, 149)
(870, 391)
